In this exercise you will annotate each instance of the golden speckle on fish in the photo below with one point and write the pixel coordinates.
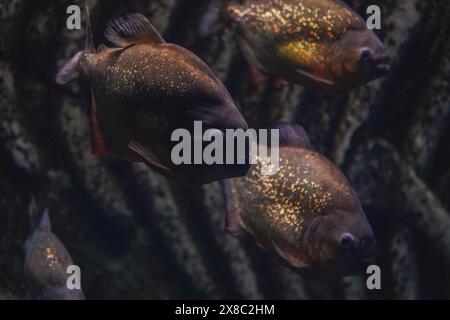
(301, 211)
(142, 90)
(316, 43)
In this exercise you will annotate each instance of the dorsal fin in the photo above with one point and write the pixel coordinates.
(293, 135)
(89, 46)
(132, 29)
(44, 222)
(38, 222)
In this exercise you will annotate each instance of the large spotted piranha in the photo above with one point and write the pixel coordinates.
(143, 89)
(306, 214)
(320, 44)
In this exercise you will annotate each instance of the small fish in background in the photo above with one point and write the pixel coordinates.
(320, 44)
(306, 214)
(46, 261)
(142, 90)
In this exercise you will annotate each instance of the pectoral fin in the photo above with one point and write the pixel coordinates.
(290, 259)
(315, 78)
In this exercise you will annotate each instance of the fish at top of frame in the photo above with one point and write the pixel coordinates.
(46, 261)
(320, 44)
(143, 89)
(306, 214)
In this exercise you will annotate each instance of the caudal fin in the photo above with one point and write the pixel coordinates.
(69, 71)
(213, 18)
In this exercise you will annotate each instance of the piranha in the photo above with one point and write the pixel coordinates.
(143, 89)
(306, 214)
(47, 260)
(320, 44)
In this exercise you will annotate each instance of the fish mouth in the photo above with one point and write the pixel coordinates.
(333, 263)
(382, 64)
(383, 68)
(343, 265)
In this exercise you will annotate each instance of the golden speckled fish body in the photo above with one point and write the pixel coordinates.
(303, 32)
(306, 213)
(280, 207)
(154, 85)
(287, 36)
(145, 70)
(47, 260)
(144, 89)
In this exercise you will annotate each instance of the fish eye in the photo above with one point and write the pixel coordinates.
(348, 241)
(365, 54)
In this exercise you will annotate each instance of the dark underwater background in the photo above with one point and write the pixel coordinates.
(136, 236)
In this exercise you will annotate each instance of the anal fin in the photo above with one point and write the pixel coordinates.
(150, 158)
(315, 78)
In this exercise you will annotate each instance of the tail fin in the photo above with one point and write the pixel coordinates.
(70, 71)
(213, 19)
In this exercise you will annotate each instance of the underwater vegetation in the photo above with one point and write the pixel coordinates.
(134, 234)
